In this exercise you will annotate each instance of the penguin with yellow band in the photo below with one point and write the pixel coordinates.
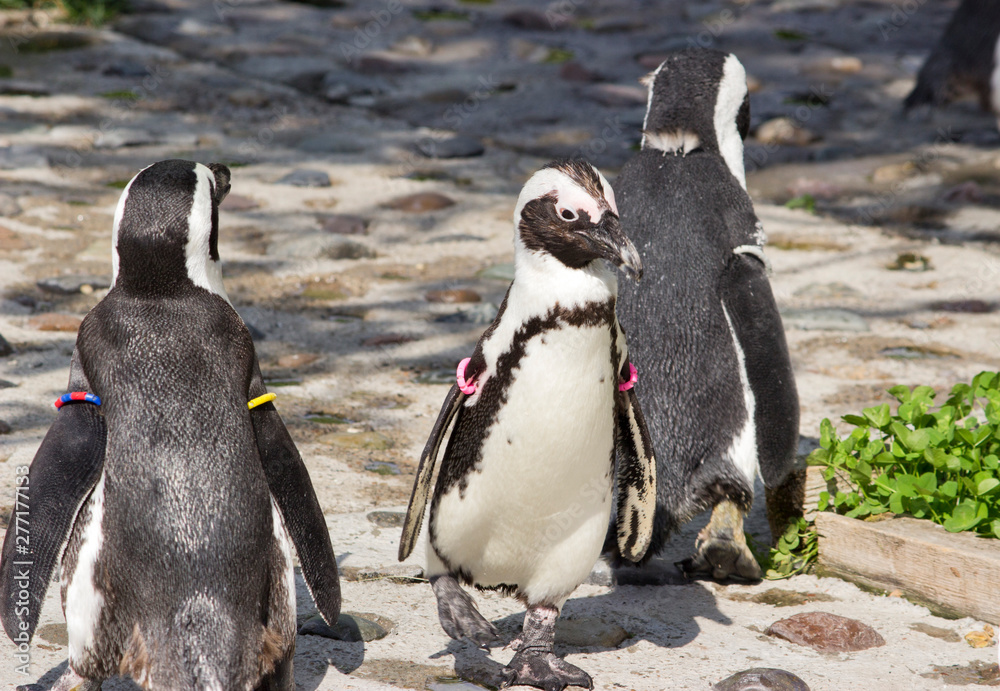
(168, 484)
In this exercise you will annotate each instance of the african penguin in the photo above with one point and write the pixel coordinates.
(170, 490)
(717, 381)
(524, 492)
(964, 61)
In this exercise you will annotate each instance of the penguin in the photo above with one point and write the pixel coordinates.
(965, 60)
(524, 491)
(718, 387)
(168, 485)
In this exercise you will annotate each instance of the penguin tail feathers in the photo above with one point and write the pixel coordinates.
(216, 652)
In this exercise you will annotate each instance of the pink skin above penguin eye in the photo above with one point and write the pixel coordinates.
(575, 200)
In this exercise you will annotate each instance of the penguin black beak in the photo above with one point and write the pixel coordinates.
(608, 240)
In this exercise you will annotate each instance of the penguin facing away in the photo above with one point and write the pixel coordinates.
(523, 495)
(965, 60)
(171, 492)
(717, 383)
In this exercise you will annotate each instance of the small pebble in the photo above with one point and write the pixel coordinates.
(453, 296)
(351, 627)
(944, 634)
(373, 441)
(908, 261)
(762, 679)
(825, 632)
(343, 224)
(823, 320)
(304, 177)
(420, 202)
(67, 285)
(383, 468)
(297, 360)
(5, 349)
(387, 519)
(534, 20)
(394, 573)
(964, 306)
(589, 632)
(387, 339)
(239, 202)
(617, 95)
(459, 146)
(53, 321)
(5, 427)
(575, 72)
(784, 131)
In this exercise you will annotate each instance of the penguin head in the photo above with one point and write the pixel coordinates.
(698, 99)
(567, 210)
(166, 231)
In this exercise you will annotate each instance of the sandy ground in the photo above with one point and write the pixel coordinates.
(361, 359)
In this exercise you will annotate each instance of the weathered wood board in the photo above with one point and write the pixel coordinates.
(953, 574)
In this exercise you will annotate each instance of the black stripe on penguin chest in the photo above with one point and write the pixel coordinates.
(464, 452)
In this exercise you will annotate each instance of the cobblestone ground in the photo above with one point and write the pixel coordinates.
(377, 148)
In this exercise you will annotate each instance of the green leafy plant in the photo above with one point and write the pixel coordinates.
(941, 463)
(94, 12)
(794, 553)
(803, 201)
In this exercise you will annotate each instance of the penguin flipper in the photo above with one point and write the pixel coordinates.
(756, 324)
(62, 475)
(425, 472)
(636, 478)
(292, 490)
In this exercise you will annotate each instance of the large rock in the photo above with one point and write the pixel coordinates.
(762, 679)
(827, 633)
(589, 632)
(353, 627)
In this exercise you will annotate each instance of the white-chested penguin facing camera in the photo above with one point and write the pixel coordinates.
(717, 382)
(168, 484)
(523, 496)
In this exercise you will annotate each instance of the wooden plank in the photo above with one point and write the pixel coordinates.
(953, 574)
(814, 485)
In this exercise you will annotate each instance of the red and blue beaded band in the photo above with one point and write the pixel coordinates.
(77, 396)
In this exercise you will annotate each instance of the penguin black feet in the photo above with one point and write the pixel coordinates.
(460, 618)
(721, 550)
(68, 681)
(535, 664)
(544, 670)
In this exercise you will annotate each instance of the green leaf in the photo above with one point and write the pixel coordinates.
(986, 486)
(879, 415)
(901, 393)
(962, 518)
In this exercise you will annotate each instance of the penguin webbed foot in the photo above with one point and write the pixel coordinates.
(543, 669)
(535, 664)
(68, 681)
(721, 551)
(459, 616)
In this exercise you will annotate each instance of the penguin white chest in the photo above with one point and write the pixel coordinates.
(535, 512)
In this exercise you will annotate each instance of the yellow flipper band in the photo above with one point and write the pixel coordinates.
(261, 400)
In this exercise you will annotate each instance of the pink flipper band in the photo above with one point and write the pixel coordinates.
(633, 377)
(466, 387)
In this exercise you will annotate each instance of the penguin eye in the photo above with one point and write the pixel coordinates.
(568, 214)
